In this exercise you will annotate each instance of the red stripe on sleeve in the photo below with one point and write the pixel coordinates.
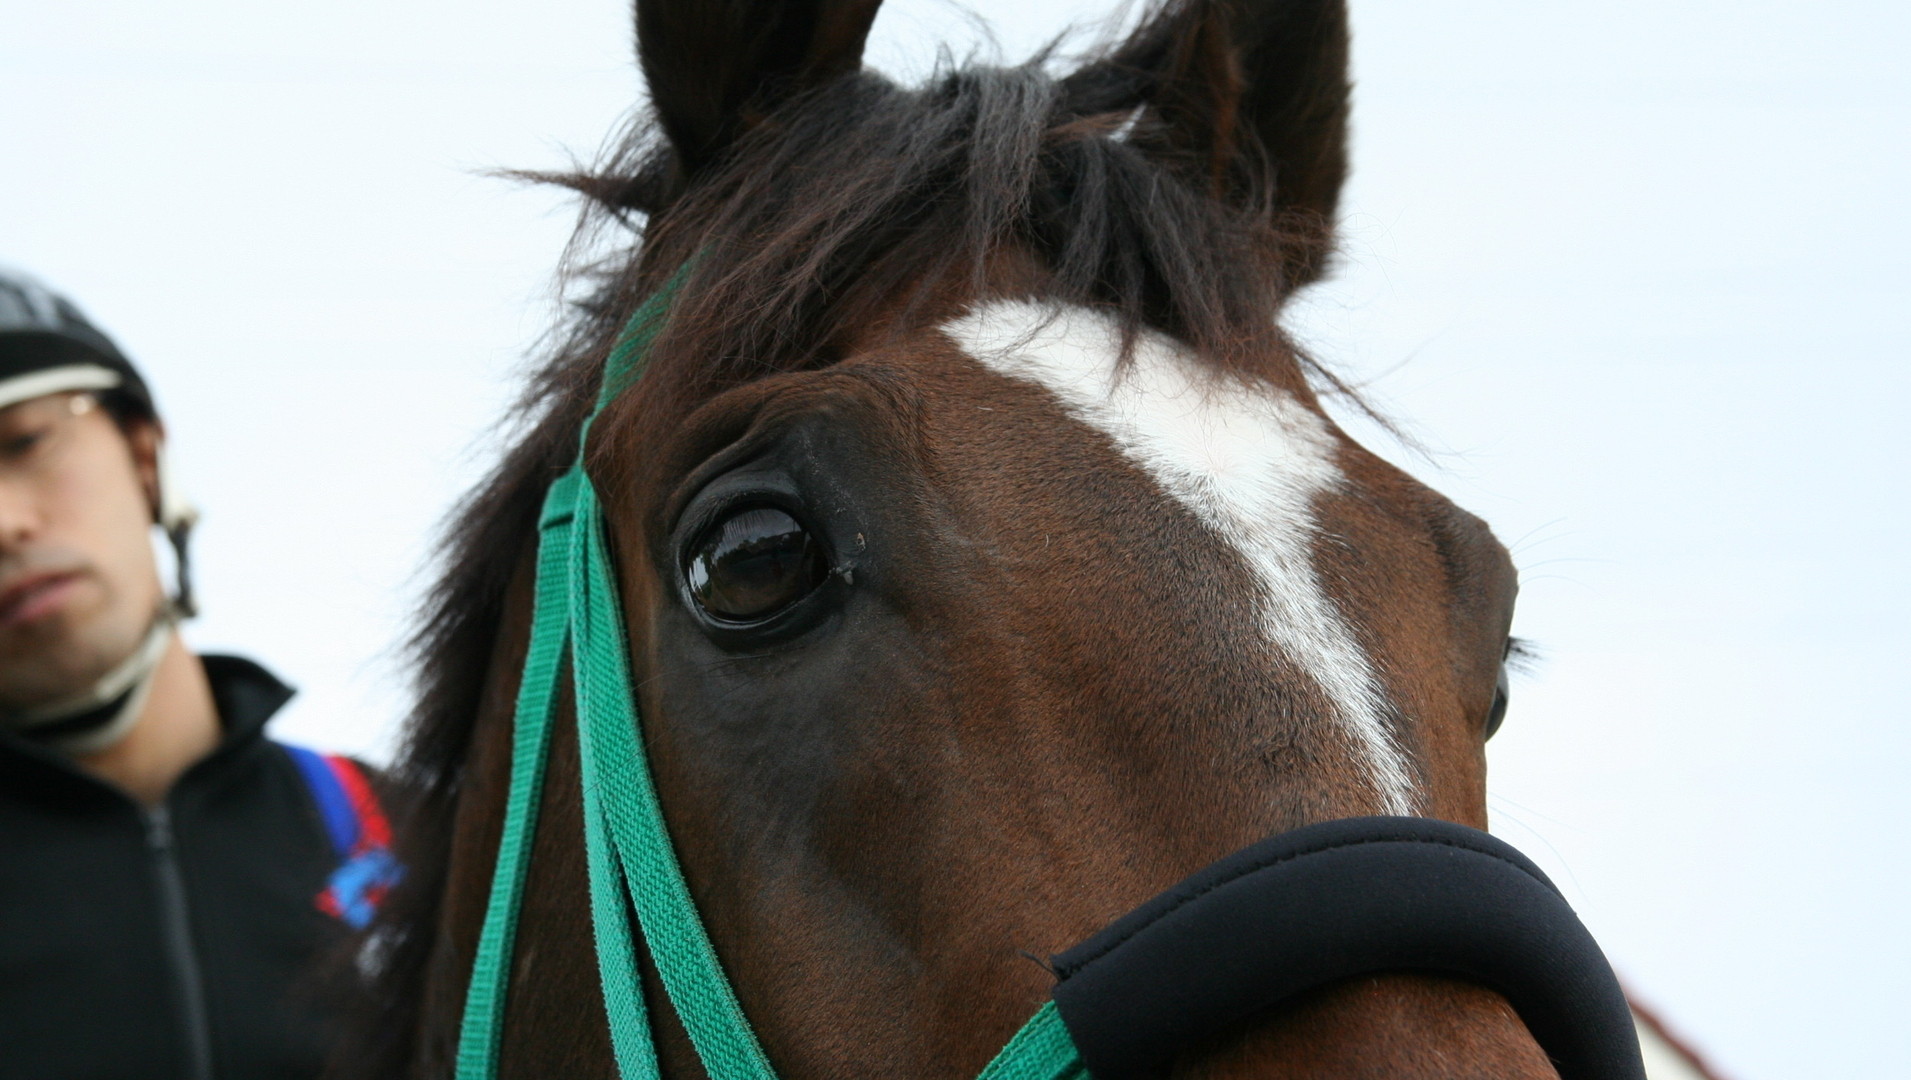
(374, 831)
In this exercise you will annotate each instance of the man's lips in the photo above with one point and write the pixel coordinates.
(35, 598)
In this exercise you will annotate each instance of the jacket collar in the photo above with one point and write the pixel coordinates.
(244, 694)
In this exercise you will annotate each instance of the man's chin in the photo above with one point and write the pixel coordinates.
(55, 662)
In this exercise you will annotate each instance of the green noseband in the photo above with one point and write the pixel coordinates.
(576, 624)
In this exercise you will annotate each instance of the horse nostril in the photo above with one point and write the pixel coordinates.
(754, 563)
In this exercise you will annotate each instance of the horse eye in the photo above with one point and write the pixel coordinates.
(1497, 714)
(753, 564)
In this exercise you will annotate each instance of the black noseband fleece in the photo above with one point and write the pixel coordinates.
(1332, 901)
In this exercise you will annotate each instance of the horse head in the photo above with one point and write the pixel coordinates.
(988, 560)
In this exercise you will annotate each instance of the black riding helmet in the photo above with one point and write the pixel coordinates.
(47, 346)
(42, 332)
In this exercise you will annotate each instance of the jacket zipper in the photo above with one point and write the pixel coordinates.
(176, 927)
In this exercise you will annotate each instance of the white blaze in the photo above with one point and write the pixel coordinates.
(1245, 458)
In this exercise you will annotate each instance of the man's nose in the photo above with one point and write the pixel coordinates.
(19, 517)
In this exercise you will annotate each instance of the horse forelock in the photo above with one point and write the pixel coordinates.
(851, 201)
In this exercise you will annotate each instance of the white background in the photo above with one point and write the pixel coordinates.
(1634, 271)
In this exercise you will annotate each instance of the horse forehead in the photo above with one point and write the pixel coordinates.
(1246, 447)
(1246, 458)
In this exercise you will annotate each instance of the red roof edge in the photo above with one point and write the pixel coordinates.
(1650, 1018)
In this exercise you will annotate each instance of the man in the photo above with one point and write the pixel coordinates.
(168, 876)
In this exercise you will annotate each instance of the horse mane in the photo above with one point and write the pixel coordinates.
(810, 224)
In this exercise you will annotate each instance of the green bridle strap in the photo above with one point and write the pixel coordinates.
(632, 864)
(531, 740)
(616, 772)
(1041, 1050)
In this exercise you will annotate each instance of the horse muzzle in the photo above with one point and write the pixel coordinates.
(1332, 901)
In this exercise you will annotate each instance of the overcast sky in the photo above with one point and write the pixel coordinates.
(1634, 271)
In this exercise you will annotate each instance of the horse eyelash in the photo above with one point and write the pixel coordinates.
(1523, 655)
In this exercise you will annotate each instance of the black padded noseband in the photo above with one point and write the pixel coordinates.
(1333, 901)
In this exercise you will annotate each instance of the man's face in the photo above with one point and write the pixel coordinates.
(79, 585)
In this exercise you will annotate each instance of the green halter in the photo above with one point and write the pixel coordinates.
(576, 618)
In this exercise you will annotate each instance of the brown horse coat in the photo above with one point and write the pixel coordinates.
(1103, 593)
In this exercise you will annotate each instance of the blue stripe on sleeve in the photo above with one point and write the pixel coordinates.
(335, 807)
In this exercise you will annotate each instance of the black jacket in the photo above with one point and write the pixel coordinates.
(173, 942)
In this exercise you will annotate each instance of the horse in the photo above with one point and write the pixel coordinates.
(989, 558)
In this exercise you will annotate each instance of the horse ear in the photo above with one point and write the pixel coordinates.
(716, 67)
(1249, 99)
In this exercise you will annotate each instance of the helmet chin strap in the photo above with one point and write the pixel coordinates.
(106, 712)
(176, 516)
